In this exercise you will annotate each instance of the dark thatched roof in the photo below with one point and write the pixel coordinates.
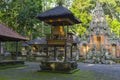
(6, 34)
(60, 15)
(25, 44)
(38, 41)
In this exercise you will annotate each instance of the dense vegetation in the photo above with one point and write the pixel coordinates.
(83, 8)
(20, 15)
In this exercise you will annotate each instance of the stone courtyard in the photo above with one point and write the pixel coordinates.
(111, 71)
(86, 72)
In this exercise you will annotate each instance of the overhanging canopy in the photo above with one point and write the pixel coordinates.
(7, 34)
(58, 16)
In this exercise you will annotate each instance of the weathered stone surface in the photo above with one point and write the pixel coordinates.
(99, 43)
(58, 66)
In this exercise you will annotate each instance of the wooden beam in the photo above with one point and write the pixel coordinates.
(59, 20)
(16, 49)
(65, 53)
(71, 53)
(70, 21)
(54, 52)
(0, 48)
(56, 20)
(47, 52)
(0, 52)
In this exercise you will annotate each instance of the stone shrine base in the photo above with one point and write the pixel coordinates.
(59, 66)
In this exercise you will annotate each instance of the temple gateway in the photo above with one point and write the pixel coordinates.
(99, 42)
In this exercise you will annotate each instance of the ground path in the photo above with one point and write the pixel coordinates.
(112, 71)
(29, 72)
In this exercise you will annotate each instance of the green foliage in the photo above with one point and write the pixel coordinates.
(82, 9)
(20, 15)
(115, 26)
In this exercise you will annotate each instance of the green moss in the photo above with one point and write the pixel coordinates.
(26, 79)
(79, 75)
(81, 59)
(34, 75)
(3, 79)
(116, 60)
(10, 66)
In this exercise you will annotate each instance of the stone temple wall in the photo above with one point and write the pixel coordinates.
(98, 38)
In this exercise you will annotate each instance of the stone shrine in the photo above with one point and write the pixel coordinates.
(60, 42)
(99, 43)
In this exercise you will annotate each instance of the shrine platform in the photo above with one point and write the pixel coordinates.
(59, 66)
